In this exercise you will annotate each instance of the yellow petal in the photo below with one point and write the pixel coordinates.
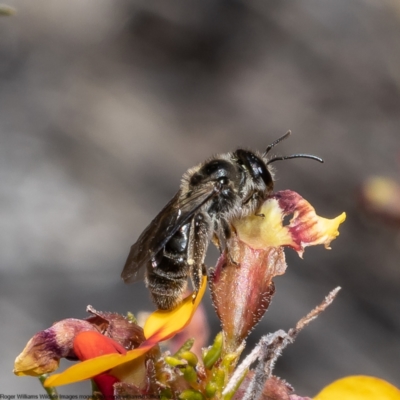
(161, 325)
(95, 366)
(261, 232)
(359, 388)
(305, 228)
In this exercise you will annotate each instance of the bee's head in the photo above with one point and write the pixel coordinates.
(256, 167)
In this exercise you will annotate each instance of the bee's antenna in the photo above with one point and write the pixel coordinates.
(268, 149)
(295, 156)
(286, 135)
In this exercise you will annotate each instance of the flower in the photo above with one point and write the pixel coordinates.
(380, 197)
(242, 286)
(114, 350)
(359, 387)
(91, 344)
(305, 228)
(43, 352)
(160, 326)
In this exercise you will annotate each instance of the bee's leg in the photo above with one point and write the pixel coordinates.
(200, 233)
(253, 197)
(223, 232)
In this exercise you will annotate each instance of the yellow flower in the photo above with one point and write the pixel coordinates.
(359, 388)
(380, 196)
(305, 228)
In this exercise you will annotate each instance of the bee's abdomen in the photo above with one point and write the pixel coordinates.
(167, 283)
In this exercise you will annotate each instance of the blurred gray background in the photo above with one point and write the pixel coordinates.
(105, 103)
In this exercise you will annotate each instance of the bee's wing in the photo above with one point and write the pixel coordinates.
(154, 238)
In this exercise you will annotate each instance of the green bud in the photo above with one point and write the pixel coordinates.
(212, 355)
(175, 362)
(229, 360)
(166, 394)
(185, 347)
(219, 378)
(211, 389)
(190, 374)
(190, 357)
(191, 394)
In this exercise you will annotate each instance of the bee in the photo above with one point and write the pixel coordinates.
(174, 245)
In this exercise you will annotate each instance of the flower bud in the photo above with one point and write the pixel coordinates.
(190, 374)
(191, 394)
(190, 357)
(42, 353)
(214, 352)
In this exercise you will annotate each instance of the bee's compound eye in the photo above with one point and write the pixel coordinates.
(256, 167)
